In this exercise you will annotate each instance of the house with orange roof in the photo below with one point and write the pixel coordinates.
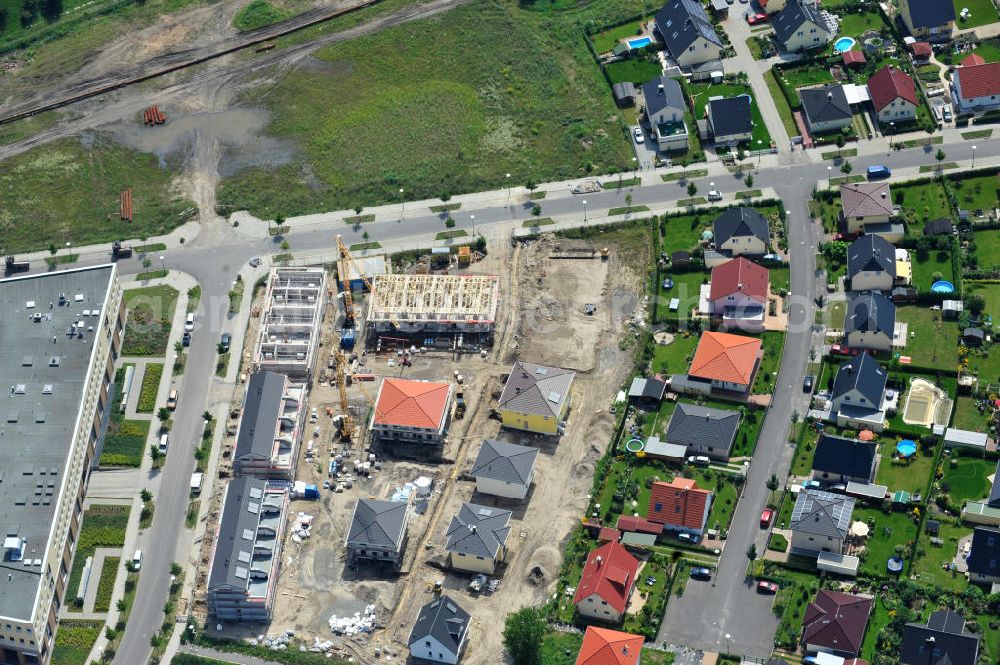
(724, 364)
(603, 646)
(411, 412)
(607, 583)
(680, 506)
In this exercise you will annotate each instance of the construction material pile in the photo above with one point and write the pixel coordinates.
(359, 622)
(301, 527)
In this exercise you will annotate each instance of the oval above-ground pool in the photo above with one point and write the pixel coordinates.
(942, 286)
(843, 44)
(906, 447)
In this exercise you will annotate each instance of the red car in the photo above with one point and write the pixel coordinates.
(767, 587)
(766, 517)
(756, 18)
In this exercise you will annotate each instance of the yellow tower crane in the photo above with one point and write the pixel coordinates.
(346, 422)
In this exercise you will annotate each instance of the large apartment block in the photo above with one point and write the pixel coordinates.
(290, 321)
(61, 332)
(270, 427)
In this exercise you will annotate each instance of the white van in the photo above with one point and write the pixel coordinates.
(137, 560)
(189, 322)
(164, 442)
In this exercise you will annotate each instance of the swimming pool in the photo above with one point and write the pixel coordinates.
(942, 286)
(843, 44)
(906, 448)
(639, 42)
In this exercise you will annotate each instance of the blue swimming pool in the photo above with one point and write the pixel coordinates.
(942, 286)
(906, 448)
(639, 42)
(843, 44)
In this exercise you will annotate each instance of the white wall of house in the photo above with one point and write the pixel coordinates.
(744, 245)
(729, 385)
(731, 139)
(976, 104)
(869, 280)
(813, 544)
(700, 51)
(829, 125)
(472, 564)
(876, 341)
(595, 608)
(495, 487)
(808, 36)
(429, 648)
(737, 299)
(898, 109)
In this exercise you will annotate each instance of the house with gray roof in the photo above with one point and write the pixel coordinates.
(984, 556)
(504, 469)
(841, 460)
(688, 33)
(870, 322)
(246, 558)
(730, 120)
(943, 640)
(476, 539)
(826, 108)
(378, 532)
(703, 430)
(801, 26)
(858, 392)
(820, 522)
(741, 231)
(929, 19)
(439, 633)
(663, 106)
(871, 264)
(270, 427)
(535, 398)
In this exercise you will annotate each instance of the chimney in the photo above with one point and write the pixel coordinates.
(659, 88)
(598, 560)
(829, 95)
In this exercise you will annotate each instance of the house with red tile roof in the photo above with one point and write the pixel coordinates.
(607, 583)
(629, 524)
(724, 361)
(603, 646)
(680, 506)
(893, 95)
(835, 623)
(738, 294)
(410, 412)
(975, 85)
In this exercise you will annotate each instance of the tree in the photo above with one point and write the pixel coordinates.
(840, 140)
(163, 414)
(446, 196)
(52, 10)
(846, 167)
(284, 245)
(29, 12)
(522, 636)
(748, 181)
(976, 304)
(357, 210)
(179, 347)
(110, 633)
(3, 18)
(154, 452)
(752, 552)
(53, 249)
(773, 484)
(146, 495)
(536, 210)
(531, 185)
(449, 222)
(628, 200)
(207, 415)
(279, 220)
(692, 189)
(939, 155)
(364, 236)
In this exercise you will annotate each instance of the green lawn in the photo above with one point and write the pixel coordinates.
(911, 476)
(924, 271)
(787, 118)
(74, 640)
(879, 619)
(687, 287)
(887, 531)
(724, 501)
(607, 39)
(797, 590)
(150, 315)
(71, 194)
(635, 70)
(125, 442)
(779, 279)
(103, 526)
(966, 416)
(451, 104)
(804, 452)
(921, 202)
(804, 77)
(853, 24)
(967, 478)
(930, 341)
(767, 375)
(986, 50)
(701, 92)
(986, 361)
(258, 14)
(978, 193)
(838, 313)
(683, 232)
(560, 648)
(981, 12)
(929, 567)
(987, 247)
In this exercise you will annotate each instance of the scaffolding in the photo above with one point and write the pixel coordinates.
(453, 304)
(290, 320)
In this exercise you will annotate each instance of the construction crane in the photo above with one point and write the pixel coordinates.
(348, 260)
(346, 426)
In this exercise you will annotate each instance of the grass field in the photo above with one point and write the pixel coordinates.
(636, 70)
(674, 358)
(887, 531)
(922, 202)
(687, 287)
(930, 341)
(853, 24)
(911, 476)
(880, 618)
(74, 640)
(437, 112)
(103, 526)
(71, 193)
(923, 271)
(967, 478)
(780, 103)
(607, 39)
(966, 415)
(767, 375)
(125, 442)
(987, 247)
(701, 92)
(987, 51)
(804, 77)
(150, 314)
(978, 193)
(258, 14)
(929, 567)
(981, 12)
(986, 362)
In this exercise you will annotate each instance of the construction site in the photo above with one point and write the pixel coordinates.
(534, 307)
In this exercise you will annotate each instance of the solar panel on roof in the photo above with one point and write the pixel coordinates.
(244, 556)
(241, 572)
(255, 492)
(247, 534)
(253, 508)
(485, 512)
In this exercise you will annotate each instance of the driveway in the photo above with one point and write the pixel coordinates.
(645, 152)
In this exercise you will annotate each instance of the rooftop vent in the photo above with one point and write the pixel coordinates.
(54, 361)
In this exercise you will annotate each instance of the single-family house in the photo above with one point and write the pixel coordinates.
(893, 95)
(680, 506)
(863, 203)
(408, 411)
(801, 26)
(440, 631)
(858, 389)
(984, 557)
(975, 86)
(931, 19)
(536, 398)
(663, 106)
(476, 539)
(730, 120)
(943, 640)
(820, 522)
(741, 232)
(703, 430)
(504, 469)
(603, 646)
(687, 32)
(938, 227)
(607, 583)
(835, 623)
(870, 321)
(738, 294)
(871, 264)
(377, 532)
(826, 108)
(726, 362)
(840, 460)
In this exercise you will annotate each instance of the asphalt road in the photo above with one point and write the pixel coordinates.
(707, 612)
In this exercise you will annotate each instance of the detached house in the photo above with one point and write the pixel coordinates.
(893, 95)
(703, 430)
(933, 19)
(975, 86)
(440, 631)
(840, 460)
(722, 362)
(378, 532)
(858, 390)
(943, 640)
(688, 33)
(870, 322)
(477, 538)
(664, 107)
(865, 203)
(607, 583)
(680, 506)
(741, 232)
(984, 557)
(504, 469)
(603, 646)
(536, 398)
(871, 264)
(738, 294)
(730, 120)
(801, 26)
(835, 623)
(820, 522)
(411, 412)
(826, 108)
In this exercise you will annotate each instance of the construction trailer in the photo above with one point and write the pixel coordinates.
(290, 321)
(434, 310)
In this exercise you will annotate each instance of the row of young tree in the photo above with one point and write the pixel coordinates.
(50, 10)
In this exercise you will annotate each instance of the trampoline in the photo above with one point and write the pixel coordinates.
(634, 445)
(894, 565)
(906, 448)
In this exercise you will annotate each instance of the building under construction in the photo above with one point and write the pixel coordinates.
(290, 320)
(431, 310)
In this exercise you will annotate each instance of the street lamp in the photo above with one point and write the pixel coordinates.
(892, 132)
(729, 645)
(829, 174)
(585, 211)
(759, 152)
(402, 215)
(473, 226)
(508, 190)
(973, 158)
(163, 266)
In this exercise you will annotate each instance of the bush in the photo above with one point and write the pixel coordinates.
(74, 641)
(106, 585)
(777, 543)
(150, 387)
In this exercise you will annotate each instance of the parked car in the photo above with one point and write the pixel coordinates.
(767, 587)
(637, 133)
(189, 322)
(754, 19)
(715, 195)
(186, 339)
(946, 113)
(699, 460)
(765, 518)
(807, 383)
(812, 485)
(172, 399)
(224, 343)
(692, 538)
(137, 561)
(878, 172)
(701, 573)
